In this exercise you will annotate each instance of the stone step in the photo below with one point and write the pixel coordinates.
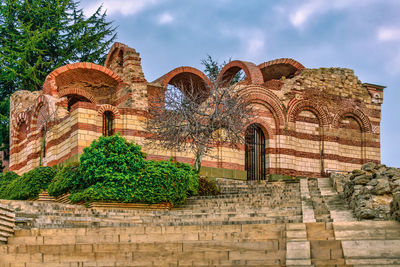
(367, 230)
(372, 252)
(140, 257)
(153, 262)
(107, 236)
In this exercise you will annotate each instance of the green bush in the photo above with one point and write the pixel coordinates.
(107, 157)
(162, 181)
(207, 187)
(120, 189)
(66, 180)
(30, 184)
(158, 181)
(110, 169)
(193, 178)
(5, 179)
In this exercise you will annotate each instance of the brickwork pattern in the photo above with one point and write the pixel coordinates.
(313, 119)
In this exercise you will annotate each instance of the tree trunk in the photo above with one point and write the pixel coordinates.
(197, 164)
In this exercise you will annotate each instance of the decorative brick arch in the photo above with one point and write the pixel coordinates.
(260, 95)
(355, 113)
(103, 108)
(301, 105)
(76, 91)
(275, 69)
(173, 77)
(253, 73)
(50, 86)
(265, 127)
(21, 118)
(39, 103)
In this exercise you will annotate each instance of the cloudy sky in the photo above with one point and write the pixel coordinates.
(363, 35)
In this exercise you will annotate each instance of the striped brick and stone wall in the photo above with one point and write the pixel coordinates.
(314, 120)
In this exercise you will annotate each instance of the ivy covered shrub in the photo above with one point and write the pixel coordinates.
(110, 159)
(207, 187)
(5, 179)
(156, 182)
(66, 180)
(162, 181)
(119, 188)
(30, 184)
(110, 169)
(106, 170)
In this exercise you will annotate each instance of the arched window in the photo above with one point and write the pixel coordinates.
(108, 123)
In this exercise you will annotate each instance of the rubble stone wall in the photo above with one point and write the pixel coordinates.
(373, 191)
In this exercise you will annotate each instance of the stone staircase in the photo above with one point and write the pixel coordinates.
(249, 224)
(240, 202)
(369, 243)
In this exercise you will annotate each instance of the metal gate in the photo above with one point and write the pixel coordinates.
(255, 153)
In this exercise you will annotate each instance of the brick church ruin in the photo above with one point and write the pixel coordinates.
(310, 120)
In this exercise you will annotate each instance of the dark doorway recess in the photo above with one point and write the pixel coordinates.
(255, 153)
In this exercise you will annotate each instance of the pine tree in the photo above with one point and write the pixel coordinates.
(38, 36)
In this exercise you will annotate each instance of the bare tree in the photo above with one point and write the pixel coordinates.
(195, 117)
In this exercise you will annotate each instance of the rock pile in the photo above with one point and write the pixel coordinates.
(372, 192)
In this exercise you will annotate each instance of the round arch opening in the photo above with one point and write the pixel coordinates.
(73, 99)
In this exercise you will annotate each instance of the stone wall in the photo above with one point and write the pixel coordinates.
(7, 223)
(373, 191)
(313, 120)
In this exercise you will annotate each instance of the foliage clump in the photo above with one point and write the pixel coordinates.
(161, 181)
(110, 159)
(66, 180)
(111, 169)
(29, 185)
(5, 179)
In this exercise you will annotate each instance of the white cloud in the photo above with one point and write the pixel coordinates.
(388, 34)
(165, 18)
(300, 16)
(309, 9)
(123, 7)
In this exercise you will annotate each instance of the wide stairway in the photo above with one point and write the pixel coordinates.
(249, 224)
(239, 202)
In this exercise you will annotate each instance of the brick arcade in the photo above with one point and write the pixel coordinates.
(313, 120)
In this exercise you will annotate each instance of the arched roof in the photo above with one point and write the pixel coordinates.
(182, 77)
(253, 73)
(95, 79)
(277, 68)
(77, 91)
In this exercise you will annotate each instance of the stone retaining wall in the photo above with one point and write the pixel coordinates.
(373, 192)
(7, 223)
